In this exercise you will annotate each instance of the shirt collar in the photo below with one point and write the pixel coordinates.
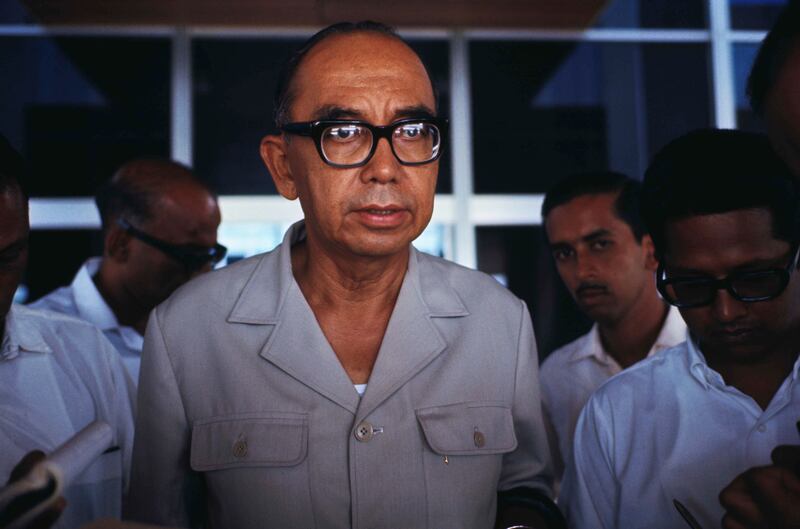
(673, 331)
(21, 335)
(88, 300)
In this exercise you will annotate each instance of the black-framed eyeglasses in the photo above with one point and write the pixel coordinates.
(747, 286)
(349, 143)
(192, 257)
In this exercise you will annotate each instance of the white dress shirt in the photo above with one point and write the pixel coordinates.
(81, 299)
(669, 428)
(572, 373)
(58, 374)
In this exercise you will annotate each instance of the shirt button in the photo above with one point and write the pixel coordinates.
(478, 438)
(364, 431)
(240, 449)
(762, 428)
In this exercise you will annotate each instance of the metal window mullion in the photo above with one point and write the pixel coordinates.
(181, 98)
(461, 150)
(722, 65)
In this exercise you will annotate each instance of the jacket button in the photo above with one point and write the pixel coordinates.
(240, 448)
(478, 438)
(364, 431)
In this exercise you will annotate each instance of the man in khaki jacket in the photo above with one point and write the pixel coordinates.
(344, 379)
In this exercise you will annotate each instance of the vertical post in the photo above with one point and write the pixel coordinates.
(722, 64)
(181, 98)
(461, 150)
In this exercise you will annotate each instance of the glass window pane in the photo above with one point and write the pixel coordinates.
(14, 12)
(234, 83)
(79, 107)
(754, 14)
(743, 57)
(545, 109)
(653, 14)
(519, 257)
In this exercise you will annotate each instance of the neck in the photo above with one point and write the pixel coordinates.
(630, 338)
(331, 280)
(125, 307)
(762, 374)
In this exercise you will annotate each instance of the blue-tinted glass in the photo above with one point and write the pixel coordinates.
(79, 107)
(754, 14)
(234, 84)
(743, 57)
(14, 12)
(544, 110)
(670, 14)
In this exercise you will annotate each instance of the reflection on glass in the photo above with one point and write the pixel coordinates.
(670, 14)
(545, 109)
(245, 239)
(754, 14)
(78, 107)
(743, 57)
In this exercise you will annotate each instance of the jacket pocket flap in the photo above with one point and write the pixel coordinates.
(275, 439)
(473, 428)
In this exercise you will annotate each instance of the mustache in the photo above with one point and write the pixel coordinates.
(583, 287)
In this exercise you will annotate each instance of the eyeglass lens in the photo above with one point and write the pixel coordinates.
(352, 144)
(751, 286)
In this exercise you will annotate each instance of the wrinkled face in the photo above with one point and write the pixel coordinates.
(715, 246)
(184, 215)
(597, 256)
(782, 112)
(377, 209)
(13, 246)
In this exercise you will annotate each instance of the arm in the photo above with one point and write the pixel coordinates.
(526, 479)
(162, 482)
(589, 493)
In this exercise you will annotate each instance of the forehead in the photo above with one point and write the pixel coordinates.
(722, 241)
(366, 72)
(585, 214)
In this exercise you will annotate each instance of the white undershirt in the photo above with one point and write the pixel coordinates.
(360, 389)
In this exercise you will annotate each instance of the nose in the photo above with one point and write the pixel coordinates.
(383, 167)
(726, 308)
(584, 266)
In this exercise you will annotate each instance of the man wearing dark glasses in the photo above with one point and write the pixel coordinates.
(345, 380)
(160, 230)
(723, 212)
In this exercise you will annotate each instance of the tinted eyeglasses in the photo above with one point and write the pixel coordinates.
(349, 143)
(192, 257)
(747, 286)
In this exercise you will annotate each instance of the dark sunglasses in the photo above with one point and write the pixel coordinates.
(192, 257)
(748, 286)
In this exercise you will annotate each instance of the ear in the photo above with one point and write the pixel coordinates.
(276, 158)
(649, 250)
(116, 244)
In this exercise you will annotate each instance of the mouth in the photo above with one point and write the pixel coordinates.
(382, 216)
(591, 293)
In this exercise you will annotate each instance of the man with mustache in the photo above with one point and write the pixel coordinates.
(723, 211)
(344, 380)
(605, 258)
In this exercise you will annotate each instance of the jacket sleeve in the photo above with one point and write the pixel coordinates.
(590, 494)
(164, 490)
(528, 465)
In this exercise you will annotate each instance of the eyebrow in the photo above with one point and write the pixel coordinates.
(334, 112)
(596, 234)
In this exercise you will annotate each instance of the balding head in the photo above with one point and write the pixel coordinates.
(137, 186)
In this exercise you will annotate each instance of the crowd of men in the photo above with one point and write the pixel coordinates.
(347, 380)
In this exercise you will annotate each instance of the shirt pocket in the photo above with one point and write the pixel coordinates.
(464, 461)
(276, 439)
(255, 469)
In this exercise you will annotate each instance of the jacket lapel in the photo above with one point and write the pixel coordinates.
(412, 340)
(294, 341)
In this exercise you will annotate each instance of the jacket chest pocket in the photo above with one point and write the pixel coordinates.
(467, 442)
(255, 467)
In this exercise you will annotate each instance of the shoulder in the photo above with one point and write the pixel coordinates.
(59, 300)
(478, 291)
(559, 359)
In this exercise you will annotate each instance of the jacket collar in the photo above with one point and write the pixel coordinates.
(297, 345)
